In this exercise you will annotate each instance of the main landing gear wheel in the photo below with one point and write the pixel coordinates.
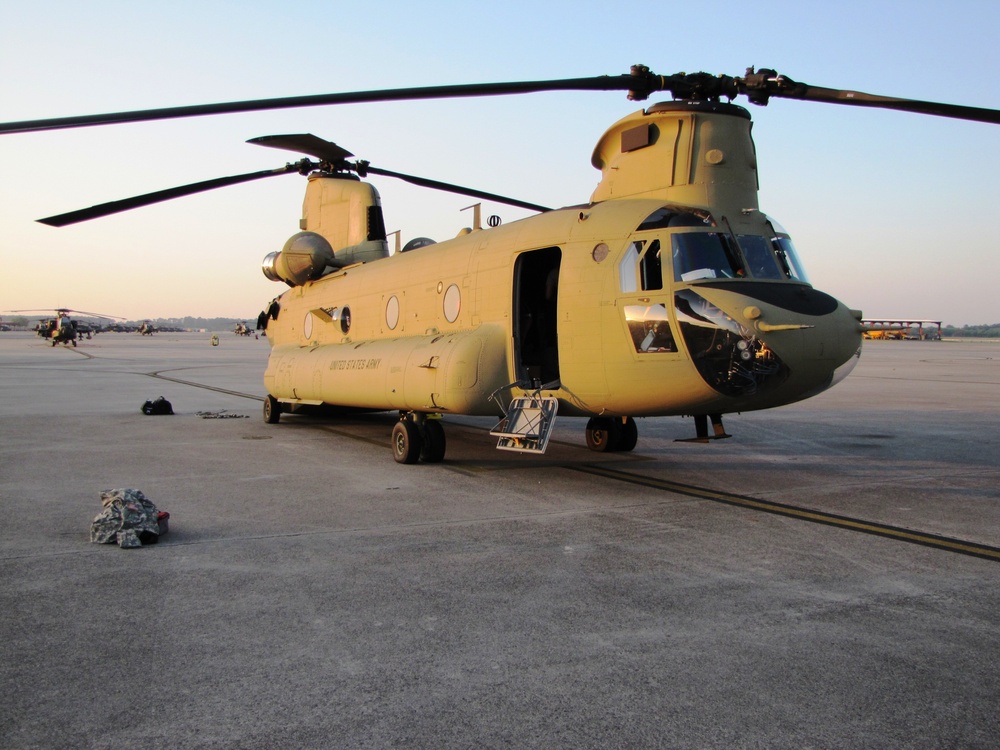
(406, 442)
(602, 434)
(608, 434)
(434, 442)
(272, 410)
(629, 435)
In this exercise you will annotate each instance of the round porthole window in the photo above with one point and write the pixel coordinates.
(307, 325)
(452, 303)
(345, 320)
(392, 313)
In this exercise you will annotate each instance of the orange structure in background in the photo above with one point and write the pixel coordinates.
(901, 329)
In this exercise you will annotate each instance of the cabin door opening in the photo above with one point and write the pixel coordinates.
(536, 341)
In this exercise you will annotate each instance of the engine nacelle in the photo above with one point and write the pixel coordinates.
(306, 256)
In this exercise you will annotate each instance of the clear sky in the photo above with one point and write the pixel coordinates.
(892, 213)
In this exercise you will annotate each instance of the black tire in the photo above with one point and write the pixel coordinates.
(603, 434)
(272, 410)
(628, 436)
(434, 442)
(406, 442)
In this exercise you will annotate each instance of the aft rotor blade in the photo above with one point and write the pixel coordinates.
(305, 143)
(138, 201)
(450, 188)
(640, 83)
(331, 153)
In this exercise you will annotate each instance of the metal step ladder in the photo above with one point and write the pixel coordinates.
(527, 424)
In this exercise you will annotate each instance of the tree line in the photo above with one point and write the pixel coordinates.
(991, 331)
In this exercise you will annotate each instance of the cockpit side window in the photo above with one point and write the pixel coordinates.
(641, 267)
(650, 269)
(628, 276)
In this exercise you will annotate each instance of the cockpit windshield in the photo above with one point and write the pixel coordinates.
(784, 251)
(705, 255)
(760, 257)
(712, 255)
(789, 259)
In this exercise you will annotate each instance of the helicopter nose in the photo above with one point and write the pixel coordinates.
(765, 347)
(819, 352)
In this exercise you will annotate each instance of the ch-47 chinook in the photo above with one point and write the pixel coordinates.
(669, 292)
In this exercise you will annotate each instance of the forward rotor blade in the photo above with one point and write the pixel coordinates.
(450, 188)
(639, 82)
(861, 99)
(138, 201)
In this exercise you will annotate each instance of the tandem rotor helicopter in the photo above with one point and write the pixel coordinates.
(668, 292)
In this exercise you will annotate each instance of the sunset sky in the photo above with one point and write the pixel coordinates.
(892, 213)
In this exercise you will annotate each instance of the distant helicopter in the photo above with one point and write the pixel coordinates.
(64, 330)
(668, 292)
(241, 329)
(147, 328)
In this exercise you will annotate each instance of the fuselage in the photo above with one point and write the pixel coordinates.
(596, 306)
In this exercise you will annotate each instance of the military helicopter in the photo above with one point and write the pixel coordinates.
(147, 328)
(667, 293)
(64, 330)
(242, 329)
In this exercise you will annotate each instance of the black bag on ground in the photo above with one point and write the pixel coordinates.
(159, 406)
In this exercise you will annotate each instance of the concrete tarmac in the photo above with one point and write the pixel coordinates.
(312, 593)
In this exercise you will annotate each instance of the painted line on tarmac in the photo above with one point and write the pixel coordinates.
(158, 376)
(898, 533)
